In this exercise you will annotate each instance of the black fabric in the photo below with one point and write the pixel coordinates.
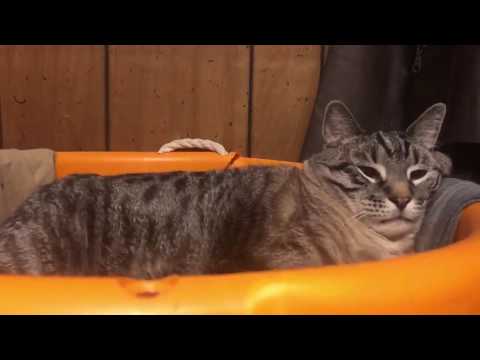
(371, 80)
(462, 123)
(388, 86)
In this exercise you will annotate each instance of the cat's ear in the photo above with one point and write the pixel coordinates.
(339, 123)
(426, 129)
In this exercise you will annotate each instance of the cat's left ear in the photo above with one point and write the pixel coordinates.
(339, 123)
(426, 129)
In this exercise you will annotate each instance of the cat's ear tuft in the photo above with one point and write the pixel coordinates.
(426, 129)
(444, 163)
(339, 123)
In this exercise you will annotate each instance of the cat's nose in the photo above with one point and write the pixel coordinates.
(401, 202)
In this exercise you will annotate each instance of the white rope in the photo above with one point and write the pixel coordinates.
(193, 144)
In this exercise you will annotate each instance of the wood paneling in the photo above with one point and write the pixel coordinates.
(53, 97)
(285, 81)
(57, 96)
(161, 93)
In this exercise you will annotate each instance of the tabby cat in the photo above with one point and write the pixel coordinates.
(361, 198)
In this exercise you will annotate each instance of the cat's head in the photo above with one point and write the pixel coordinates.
(387, 178)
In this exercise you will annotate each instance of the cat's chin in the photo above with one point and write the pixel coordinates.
(397, 219)
(395, 229)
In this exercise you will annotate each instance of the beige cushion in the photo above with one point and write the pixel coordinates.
(21, 173)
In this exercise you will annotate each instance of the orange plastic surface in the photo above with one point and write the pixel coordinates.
(113, 163)
(442, 281)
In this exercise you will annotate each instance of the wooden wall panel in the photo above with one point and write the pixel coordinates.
(53, 97)
(161, 93)
(285, 82)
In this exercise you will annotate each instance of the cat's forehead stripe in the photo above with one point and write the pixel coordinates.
(384, 142)
(392, 144)
(373, 154)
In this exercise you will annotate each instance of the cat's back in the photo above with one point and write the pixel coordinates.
(176, 197)
(98, 224)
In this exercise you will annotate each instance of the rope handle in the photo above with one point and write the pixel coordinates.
(187, 143)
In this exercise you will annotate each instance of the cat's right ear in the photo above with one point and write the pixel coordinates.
(339, 123)
(426, 129)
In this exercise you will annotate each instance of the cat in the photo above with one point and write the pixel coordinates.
(362, 198)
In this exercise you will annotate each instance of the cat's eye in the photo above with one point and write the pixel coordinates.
(417, 174)
(370, 172)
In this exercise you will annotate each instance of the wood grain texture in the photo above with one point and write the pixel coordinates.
(53, 97)
(285, 82)
(161, 93)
